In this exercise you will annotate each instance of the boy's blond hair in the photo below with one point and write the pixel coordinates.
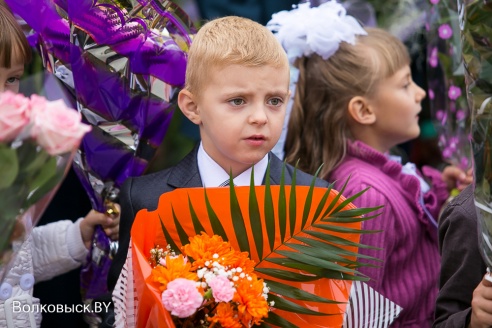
(227, 41)
(14, 47)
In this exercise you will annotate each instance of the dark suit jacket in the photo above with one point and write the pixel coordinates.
(144, 192)
(462, 267)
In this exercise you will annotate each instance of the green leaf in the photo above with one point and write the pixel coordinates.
(336, 198)
(314, 261)
(183, 236)
(254, 217)
(286, 305)
(289, 263)
(286, 275)
(47, 178)
(353, 213)
(322, 203)
(169, 239)
(278, 321)
(341, 229)
(293, 202)
(282, 205)
(217, 227)
(309, 199)
(336, 240)
(295, 293)
(9, 166)
(340, 251)
(196, 223)
(237, 220)
(322, 254)
(269, 213)
(348, 200)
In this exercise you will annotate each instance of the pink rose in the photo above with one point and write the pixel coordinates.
(222, 289)
(56, 128)
(14, 115)
(181, 297)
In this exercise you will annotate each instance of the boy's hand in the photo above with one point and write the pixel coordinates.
(93, 218)
(454, 177)
(481, 315)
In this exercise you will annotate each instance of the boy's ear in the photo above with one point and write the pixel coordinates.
(187, 104)
(360, 111)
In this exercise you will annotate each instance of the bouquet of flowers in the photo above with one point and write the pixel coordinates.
(476, 42)
(37, 141)
(135, 53)
(210, 283)
(302, 241)
(446, 82)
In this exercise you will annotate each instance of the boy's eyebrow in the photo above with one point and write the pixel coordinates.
(282, 94)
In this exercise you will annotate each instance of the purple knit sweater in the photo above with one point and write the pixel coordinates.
(409, 269)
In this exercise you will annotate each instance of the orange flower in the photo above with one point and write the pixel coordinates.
(225, 317)
(242, 260)
(252, 307)
(175, 268)
(203, 248)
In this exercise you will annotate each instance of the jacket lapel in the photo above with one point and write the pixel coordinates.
(276, 170)
(185, 174)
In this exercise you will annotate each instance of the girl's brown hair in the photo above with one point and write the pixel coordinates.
(318, 125)
(14, 47)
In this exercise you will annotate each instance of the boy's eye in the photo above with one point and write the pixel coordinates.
(275, 101)
(236, 102)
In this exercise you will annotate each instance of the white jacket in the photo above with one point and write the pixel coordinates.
(50, 250)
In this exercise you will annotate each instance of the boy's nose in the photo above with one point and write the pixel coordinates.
(258, 115)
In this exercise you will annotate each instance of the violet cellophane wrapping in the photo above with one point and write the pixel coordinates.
(139, 95)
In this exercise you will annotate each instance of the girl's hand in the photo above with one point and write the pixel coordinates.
(455, 177)
(110, 225)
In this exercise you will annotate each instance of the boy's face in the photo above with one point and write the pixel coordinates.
(240, 111)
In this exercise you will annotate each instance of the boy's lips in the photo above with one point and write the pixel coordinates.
(256, 139)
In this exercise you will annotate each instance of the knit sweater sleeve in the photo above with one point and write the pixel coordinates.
(381, 238)
(435, 199)
(57, 248)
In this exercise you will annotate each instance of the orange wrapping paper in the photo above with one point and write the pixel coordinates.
(147, 233)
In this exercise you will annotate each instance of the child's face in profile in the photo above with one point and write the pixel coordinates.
(241, 112)
(397, 105)
(10, 77)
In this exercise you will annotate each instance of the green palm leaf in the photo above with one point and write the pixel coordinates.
(293, 202)
(269, 213)
(214, 220)
(316, 250)
(237, 218)
(194, 218)
(254, 215)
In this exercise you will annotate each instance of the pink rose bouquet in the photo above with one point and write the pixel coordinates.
(37, 141)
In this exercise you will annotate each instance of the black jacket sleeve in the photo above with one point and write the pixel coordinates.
(462, 267)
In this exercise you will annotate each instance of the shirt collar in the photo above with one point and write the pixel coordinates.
(213, 175)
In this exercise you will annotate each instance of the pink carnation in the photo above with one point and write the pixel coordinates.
(181, 297)
(56, 128)
(222, 289)
(14, 115)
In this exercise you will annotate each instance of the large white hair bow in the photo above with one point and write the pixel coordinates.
(303, 30)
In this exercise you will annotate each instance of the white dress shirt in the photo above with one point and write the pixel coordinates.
(213, 175)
